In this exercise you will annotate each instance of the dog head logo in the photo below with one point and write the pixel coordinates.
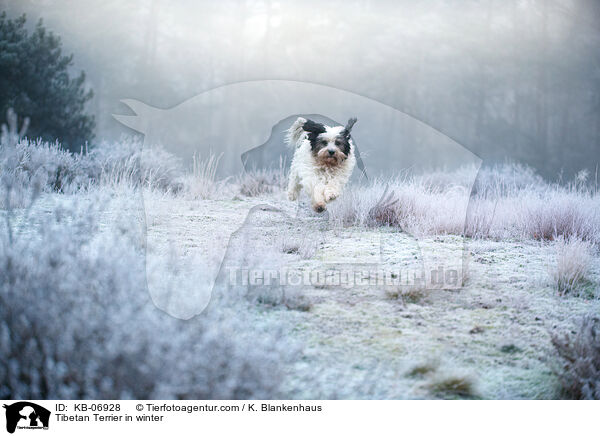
(246, 124)
(26, 415)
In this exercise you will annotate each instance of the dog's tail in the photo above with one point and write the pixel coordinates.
(295, 132)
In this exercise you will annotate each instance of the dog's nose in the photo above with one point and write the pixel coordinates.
(331, 152)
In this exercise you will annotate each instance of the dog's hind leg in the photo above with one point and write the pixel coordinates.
(294, 186)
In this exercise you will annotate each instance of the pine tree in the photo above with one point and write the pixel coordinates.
(35, 82)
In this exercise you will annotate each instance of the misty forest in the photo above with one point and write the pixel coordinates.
(143, 203)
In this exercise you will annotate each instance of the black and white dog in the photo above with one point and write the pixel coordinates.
(323, 160)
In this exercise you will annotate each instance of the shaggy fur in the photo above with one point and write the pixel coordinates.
(323, 160)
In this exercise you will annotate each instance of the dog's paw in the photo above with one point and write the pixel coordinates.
(319, 207)
(330, 195)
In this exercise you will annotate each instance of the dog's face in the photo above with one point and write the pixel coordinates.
(330, 146)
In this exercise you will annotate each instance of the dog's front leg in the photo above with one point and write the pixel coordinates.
(318, 198)
(332, 191)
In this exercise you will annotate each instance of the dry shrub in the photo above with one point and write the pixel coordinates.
(578, 367)
(385, 212)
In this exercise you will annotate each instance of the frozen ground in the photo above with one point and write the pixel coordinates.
(370, 341)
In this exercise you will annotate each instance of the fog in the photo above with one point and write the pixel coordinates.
(507, 79)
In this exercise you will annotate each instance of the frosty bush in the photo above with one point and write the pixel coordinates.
(543, 212)
(53, 168)
(506, 202)
(127, 162)
(411, 204)
(28, 167)
(76, 322)
(265, 181)
(579, 360)
(26, 164)
(557, 212)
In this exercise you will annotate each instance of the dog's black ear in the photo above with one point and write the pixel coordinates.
(348, 127)
(311, 127)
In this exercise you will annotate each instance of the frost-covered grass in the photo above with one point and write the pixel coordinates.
(410, 204)
(543, 213)
(202, 183)
(128, 163)
(304, 246)
(573, 262)
(262, 181)
(413, 294)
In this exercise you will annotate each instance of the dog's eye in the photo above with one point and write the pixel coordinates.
(338, 143)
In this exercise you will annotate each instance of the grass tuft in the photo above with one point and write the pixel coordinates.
(202, 183)
(573, 262)
(410, 294)
(452, 385)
